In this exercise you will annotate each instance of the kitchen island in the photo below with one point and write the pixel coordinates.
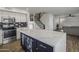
(43, 40)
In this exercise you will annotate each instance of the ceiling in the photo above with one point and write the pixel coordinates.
(53, 10)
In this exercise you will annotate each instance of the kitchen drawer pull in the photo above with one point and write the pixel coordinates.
(42, 46)
(36, 48)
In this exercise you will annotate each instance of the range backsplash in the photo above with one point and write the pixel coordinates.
(16, 24)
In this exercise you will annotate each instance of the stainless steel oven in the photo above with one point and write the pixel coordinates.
(9, 35)
(9, 30)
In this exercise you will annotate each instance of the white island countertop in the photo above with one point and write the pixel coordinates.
(51, 38)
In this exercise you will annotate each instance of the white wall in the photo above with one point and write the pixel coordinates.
(47, 20)
(55, 21)
(50, 21)
(18, 16)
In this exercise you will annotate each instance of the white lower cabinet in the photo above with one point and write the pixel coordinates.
(1, 37)
(18, 31)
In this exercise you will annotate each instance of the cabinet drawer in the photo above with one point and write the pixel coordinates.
(42, 47)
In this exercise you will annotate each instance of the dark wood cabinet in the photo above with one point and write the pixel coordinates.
(34, 45)
(42, 47)
(30, 44)
(22, 41)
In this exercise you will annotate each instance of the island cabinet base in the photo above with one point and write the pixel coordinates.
(42, 47)
(30, 44)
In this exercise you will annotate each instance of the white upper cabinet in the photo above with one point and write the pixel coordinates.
(23, 18)
(19, 16)
(0, 16)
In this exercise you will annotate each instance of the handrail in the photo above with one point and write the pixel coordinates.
(39, 22)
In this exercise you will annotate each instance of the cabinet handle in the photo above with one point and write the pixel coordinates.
(36, 48)
(42, 46)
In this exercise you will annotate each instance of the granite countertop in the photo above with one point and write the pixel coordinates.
(48, 37)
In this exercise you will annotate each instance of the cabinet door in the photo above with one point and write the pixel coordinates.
(42, 47)
(18, 33)
(24, 43)
(1, 37)
(34, 45)
(22, 38)
(17, 17)
(30, 44)
(23, 18)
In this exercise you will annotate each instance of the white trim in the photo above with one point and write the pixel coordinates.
(14, 10)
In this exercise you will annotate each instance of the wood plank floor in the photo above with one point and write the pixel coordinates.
(12, 47)
(72, 45)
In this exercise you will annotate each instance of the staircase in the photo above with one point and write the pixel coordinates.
(40, 24)
(38, 21)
